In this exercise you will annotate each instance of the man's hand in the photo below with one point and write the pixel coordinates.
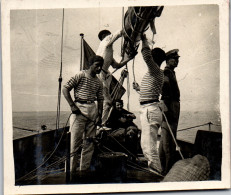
(143, 37)
(132, 116)
(75, 109)
(127, 58)
(162, 106)
(136, 86)
(123, 119)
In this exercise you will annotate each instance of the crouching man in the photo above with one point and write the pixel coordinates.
(120, 121)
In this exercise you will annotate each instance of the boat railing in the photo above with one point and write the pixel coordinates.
(209, 124)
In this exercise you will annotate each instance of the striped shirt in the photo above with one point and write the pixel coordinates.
(86, 88)
(153, 80)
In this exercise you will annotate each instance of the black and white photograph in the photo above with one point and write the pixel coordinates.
(98, 96)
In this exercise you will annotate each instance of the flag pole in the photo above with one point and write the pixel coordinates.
(81, 52)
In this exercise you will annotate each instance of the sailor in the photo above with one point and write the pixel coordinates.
(105, 50)
(150, 112)
(171, 98)
(87, 89)
(120, 121)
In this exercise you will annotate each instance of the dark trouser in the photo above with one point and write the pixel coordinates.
(167, 146)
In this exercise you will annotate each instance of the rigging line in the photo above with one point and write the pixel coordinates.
(123, 146)
(61, 160)
(138, 167)
(152, 40)
(58, 107)
(26, 129)
(57, 162)
(21, 178)
(60, 78)
(135, 164)
(216, 125)
(62, 45)
(116, 88)
(47, 173)
(193, 127)
(174, 139)
(122, 28)
(128, 88)
(133, 70)
(64, 157)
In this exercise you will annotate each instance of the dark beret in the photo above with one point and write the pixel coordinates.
(103, 32)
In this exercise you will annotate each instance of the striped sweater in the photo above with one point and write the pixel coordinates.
(86, 88)
(152, 81)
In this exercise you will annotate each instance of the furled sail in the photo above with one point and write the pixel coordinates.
(136, 21)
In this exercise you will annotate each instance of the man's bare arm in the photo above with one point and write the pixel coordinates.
(70, 101)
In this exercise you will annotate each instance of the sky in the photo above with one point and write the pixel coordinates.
(36, 53)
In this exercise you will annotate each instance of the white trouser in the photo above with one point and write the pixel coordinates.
(151, 119)
(82, 129)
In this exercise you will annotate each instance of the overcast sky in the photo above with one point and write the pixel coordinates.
(36, 46)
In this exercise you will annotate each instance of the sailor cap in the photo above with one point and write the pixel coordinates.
(172, 54)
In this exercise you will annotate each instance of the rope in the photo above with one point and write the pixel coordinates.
(144, 169)
(116, 89)
(137, 165)
(216, 125)
(23, 177)
(122, 28)
(57, 162)
(26, 129)
(123, 146)
(152, 40)
(174, 139)
(128, 88)
(60, 79)
(196, 126)
(133, 69)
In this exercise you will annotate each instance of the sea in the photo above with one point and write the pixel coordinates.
(29, 123)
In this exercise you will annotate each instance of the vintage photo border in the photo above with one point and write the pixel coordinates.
(10, 188)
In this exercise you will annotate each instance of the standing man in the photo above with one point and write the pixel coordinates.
(87, 89)
(171, 98)
(105, 50)
(150, 113)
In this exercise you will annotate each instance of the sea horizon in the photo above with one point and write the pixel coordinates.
(27, 123)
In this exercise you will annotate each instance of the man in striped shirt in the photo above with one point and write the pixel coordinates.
(150, 113)
(87, 89)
